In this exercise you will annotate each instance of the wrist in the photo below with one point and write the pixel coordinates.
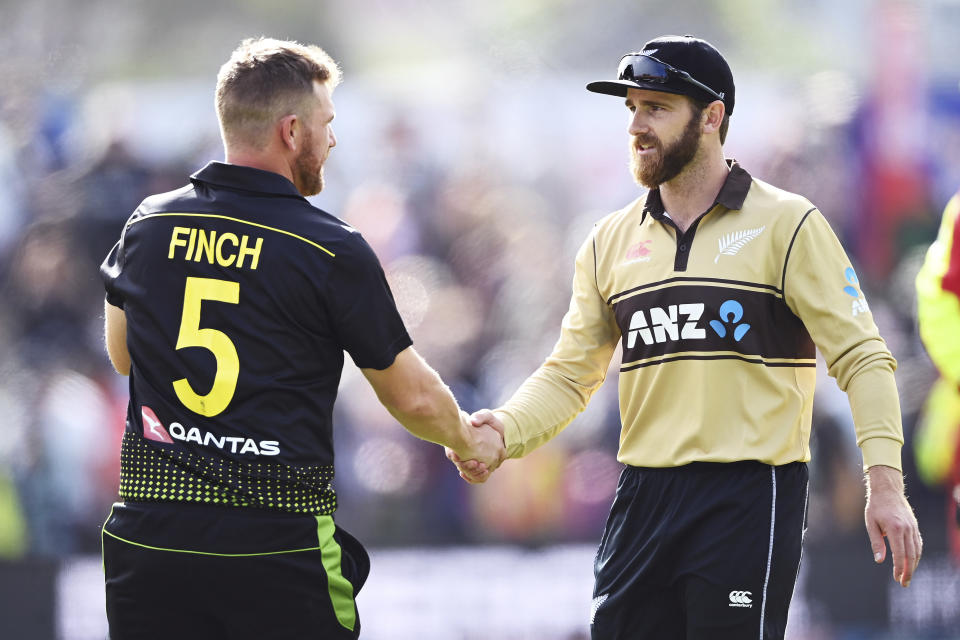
(883, 478)
(512, 436)
(466, 435)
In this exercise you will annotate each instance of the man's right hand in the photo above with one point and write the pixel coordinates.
(476, 468)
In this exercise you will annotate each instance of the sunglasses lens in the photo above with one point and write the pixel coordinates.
(642, 68)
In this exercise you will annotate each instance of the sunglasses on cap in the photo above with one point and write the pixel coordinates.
(636, 67)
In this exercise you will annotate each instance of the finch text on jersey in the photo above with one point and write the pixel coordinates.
(224, 248)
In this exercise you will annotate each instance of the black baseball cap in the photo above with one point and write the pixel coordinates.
(687, 66)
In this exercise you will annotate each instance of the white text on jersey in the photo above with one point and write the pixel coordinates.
(665, 324)
(206, 439)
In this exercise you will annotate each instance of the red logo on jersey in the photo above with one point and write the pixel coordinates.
(152, 427)
(638, 250)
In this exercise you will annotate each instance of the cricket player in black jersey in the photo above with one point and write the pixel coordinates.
(230, 303)
(718, 287)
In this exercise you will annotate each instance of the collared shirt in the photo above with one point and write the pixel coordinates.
(240, 298)
(718, 327)
(731, 195)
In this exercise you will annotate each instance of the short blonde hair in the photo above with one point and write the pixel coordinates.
(264, 80)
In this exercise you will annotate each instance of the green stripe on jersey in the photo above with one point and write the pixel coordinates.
(341, 591)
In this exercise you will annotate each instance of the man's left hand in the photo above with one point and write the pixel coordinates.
(888, 514)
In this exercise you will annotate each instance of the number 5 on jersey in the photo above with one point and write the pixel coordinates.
(217, 342)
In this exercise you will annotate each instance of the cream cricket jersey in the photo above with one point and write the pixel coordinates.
(719, 327)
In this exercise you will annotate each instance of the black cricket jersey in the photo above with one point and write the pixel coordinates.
(240, 299)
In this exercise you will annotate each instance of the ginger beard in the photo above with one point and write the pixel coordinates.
(667, 163)
(308, 168)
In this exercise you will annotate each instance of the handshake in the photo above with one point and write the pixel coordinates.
(484, 448)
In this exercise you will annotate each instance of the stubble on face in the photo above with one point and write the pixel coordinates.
(669, 161)
(308, 168)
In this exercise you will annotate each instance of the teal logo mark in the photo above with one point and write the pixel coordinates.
(851, 289)
(731, 312)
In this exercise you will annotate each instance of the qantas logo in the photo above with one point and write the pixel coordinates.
(153, 430)
(152, 427)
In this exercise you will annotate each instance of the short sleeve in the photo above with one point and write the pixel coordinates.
(361, 307)
(110, 272)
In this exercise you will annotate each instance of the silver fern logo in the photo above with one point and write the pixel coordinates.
(597, 602)
(731, 243)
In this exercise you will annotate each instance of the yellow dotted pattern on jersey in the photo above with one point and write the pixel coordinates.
(151, 473)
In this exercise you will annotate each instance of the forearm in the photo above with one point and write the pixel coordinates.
(431, 413)
(540, 409)
(415, 395)
(875, 405)
(561, 388)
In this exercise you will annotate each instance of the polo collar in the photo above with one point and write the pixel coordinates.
(732, 194)
(235, 176)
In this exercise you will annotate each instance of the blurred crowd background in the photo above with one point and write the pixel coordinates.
(474, 162)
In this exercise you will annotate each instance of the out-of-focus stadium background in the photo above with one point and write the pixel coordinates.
(473, 160)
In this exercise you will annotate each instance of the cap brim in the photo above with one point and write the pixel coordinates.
(619, 87)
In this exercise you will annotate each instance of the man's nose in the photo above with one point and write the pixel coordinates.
(638, 124)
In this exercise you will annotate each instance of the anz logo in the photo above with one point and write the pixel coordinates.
(681, 322)
(665, 324)
(859, 304)
(731, 312)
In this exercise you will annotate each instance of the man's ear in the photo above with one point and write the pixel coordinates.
(713, 116)
(290, 131)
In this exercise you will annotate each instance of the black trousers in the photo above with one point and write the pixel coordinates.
(302, 588)
(702, 551)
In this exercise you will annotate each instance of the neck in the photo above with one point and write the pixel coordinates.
(263, 160)
(695, 189)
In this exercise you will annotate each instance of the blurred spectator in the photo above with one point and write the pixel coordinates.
(938, 305)
(13, 538)
(48, 295)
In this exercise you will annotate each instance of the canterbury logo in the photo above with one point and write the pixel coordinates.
(741, 599)
(731, 243)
